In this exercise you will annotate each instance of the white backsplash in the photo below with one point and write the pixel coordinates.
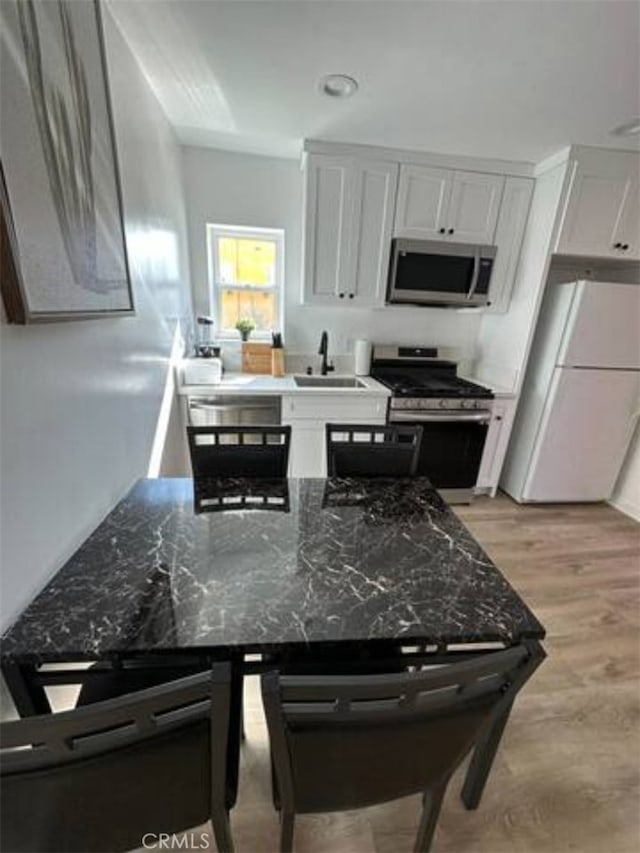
(298, 362)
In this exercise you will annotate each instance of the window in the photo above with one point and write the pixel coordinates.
(246, 273)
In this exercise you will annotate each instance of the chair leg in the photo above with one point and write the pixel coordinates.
(286, 831)
(482, 760)
(431, 804)
(222, 832)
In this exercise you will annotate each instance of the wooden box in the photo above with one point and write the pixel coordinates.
(256, 358)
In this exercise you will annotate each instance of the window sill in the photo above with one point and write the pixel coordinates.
(256, 339)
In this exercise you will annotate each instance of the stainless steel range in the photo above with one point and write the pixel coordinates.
(453, 412)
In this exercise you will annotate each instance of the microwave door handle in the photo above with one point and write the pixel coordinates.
(476, 274)
(391, 285)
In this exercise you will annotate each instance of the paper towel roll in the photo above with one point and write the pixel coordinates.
(362, 357)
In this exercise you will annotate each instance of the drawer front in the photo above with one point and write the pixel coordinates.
(334, 408)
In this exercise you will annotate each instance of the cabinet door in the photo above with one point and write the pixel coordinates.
(601, 210)
(473, 208)
(627, 231)
(514, 210)
(328, 206)
(375, 184)
(423, 202)
(307, 451)
(495, 447)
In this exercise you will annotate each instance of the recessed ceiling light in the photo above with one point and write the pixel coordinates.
(338, 86)
(629, 128)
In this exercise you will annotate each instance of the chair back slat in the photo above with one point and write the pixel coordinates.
(332, 687)
(341, 742)
(115, 722)
(362, 450)
(152, 759)
(256, 451)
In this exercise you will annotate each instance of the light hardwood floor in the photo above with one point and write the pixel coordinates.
(566, 777)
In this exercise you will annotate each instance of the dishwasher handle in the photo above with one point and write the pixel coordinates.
(228, 407)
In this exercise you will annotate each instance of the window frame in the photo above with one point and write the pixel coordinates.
(215, 231)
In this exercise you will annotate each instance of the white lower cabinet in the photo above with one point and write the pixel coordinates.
(495, 447)
(307, 454)
(307, 415)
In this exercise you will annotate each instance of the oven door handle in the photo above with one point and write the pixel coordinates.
(476, 273)
(482, 417)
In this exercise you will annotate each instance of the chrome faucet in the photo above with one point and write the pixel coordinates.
(324, 348)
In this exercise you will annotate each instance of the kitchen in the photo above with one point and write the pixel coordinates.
(333, 193)
(493, 209)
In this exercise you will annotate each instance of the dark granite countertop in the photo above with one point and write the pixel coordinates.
(256, 566)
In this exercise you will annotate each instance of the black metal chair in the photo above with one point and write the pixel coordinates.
(100, 778)
(340, 743)
(216, 452)
(361, 450)
(260, 451)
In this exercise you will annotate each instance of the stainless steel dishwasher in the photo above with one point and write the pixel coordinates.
(246, 410)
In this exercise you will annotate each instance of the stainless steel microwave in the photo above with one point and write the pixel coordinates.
(435, 272)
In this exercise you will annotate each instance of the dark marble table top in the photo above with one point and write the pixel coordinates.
(258, 566)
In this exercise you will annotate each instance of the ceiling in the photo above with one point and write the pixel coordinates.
(510, 79)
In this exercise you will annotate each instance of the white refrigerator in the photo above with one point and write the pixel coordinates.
(581, 396)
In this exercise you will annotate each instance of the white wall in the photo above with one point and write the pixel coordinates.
(80, 400)
(626, 496)
(243, 189)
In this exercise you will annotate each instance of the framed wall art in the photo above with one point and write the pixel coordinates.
(63, 245)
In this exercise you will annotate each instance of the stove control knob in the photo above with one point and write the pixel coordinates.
(442, 403)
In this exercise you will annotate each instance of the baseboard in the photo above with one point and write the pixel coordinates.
(627, 507)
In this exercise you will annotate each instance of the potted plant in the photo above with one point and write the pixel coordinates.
(245, 326)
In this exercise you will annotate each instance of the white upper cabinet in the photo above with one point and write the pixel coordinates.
(348, 220)
(473, 209)
(328, 206)
(447, 205)
(602, 214)
(423, 202)
(512, 220)
(372, 222)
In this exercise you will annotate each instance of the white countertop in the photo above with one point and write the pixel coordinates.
(498, 390)
(257, 383)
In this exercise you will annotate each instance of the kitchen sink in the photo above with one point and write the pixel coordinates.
(328, 382)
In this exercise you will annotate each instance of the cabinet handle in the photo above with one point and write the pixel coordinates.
(625, 246)
(351, 296)
(341, 295)
(617, 245)
(442, 230)
(450, 230)
(498, 417)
